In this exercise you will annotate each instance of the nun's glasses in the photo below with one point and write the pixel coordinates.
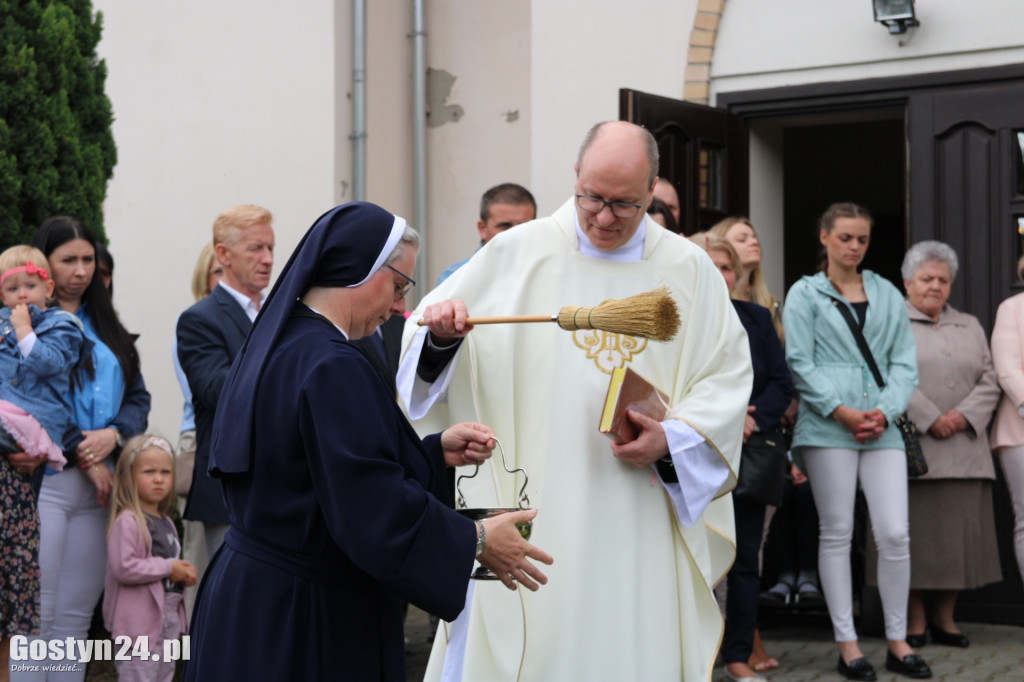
(402, 291)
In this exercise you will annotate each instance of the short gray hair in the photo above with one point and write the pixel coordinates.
(410, 239)
(929, 251)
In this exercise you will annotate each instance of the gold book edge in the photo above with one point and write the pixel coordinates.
(618, 376)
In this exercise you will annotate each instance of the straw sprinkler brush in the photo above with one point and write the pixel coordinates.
(651, 315)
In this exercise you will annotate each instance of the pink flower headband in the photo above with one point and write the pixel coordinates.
(151, 442)
(30, 268)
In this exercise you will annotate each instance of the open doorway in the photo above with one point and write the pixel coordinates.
(844, 158)
(933, 156)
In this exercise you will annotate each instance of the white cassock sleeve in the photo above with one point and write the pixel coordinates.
(417, 395)
(701, 471)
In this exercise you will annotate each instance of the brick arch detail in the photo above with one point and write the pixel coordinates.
(697, 78)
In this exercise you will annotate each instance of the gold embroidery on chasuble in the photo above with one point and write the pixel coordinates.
(608, 350)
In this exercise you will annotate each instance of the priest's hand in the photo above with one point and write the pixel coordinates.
(467, 443)
(508, 554)
(447, 319)
(648, 447)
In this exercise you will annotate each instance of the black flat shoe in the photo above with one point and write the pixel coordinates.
(857, 669)
(910, 665)
(917, 641)
(956, 639)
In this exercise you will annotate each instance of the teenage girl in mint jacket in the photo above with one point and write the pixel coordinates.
(845, 430)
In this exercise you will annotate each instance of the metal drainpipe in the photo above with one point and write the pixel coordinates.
(420, 141)
(358, 100)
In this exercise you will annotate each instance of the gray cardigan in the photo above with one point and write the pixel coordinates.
(955, 372)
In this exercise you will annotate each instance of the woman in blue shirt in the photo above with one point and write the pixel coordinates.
(112, 406)
(769, 397)
(844, 430)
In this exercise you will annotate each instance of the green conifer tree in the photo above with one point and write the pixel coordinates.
(56, 148)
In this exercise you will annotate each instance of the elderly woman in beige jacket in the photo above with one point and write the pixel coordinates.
(952, 529)
(1008, 429)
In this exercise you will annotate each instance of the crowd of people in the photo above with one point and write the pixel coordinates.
(316, 505)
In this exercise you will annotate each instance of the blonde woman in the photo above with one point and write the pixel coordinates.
(770, 395)
(207, 273)
(205, 276)
(750, 286)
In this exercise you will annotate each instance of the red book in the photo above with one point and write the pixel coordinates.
(629, 390)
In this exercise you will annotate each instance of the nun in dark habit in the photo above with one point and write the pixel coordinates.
(339, 511)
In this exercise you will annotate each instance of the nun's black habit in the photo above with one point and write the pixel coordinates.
(336, 504)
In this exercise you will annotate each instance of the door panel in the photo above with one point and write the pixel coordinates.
(967, 207)
(704, 153)
(965, 191)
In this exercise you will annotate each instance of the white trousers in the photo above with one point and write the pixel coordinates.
(72, 562)
(834, 473)
(1012, 461)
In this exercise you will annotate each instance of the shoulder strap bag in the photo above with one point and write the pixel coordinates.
(916, 464)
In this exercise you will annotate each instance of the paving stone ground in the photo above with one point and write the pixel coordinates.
(807, 652)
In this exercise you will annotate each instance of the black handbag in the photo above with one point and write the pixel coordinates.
(763, 467)
(916, 463)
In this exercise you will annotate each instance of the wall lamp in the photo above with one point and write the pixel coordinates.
(896, 15)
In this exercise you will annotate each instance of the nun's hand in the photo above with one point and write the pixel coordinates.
(467, 443)
(447, 319)
(508, 554)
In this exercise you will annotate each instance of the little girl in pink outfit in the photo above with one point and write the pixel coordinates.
(145, 579)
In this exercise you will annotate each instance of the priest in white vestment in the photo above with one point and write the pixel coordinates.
(629, 595)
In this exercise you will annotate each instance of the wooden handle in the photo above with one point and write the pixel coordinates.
(506, 319)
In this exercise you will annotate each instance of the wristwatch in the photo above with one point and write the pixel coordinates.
(120, 437)
(481, 541)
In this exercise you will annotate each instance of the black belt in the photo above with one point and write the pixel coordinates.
(301, 565)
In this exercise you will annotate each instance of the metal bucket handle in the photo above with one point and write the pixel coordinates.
(524, 500)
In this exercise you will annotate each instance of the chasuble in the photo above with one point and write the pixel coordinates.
(630, 593)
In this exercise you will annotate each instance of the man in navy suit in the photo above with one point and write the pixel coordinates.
(210, 334)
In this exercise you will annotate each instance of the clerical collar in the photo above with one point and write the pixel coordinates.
(633, 250)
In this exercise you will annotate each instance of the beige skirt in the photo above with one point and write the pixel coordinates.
(953, 543)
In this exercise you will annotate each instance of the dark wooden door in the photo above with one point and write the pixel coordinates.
(967, 189)
(704, 154)
(966, 185)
